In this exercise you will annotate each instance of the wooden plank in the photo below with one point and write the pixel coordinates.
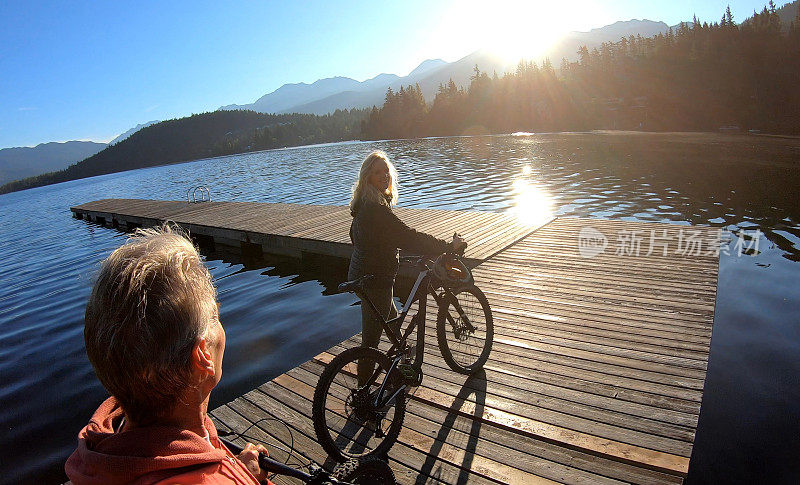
(414, 433)
(584, 279)
(521, 374)
(446, 469)
(561, 307)
(515, 311)
(652, 350)
(656, 460)
(513, 385)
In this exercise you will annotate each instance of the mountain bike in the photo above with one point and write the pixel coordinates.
(360, 399)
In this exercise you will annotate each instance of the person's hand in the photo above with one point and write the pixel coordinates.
(249, 456)
(459, 244)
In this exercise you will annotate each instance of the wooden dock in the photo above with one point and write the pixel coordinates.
(596, 374)
(294, 229)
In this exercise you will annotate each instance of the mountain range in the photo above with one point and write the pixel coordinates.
(20, 162)
(329, 94)
(342, 91)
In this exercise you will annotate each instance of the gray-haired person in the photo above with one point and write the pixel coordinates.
(154, 338)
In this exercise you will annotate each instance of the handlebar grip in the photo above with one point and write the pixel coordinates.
(268, 464)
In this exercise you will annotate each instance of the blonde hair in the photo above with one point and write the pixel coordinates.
(363, 191)
(151, 304)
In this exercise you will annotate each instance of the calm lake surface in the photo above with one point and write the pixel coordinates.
(750, 419)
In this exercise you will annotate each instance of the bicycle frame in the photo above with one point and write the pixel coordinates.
(419, 292)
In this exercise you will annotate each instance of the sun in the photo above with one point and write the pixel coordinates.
(511, 30)
(520, 30)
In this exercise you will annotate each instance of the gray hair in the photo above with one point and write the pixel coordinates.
(151, 304)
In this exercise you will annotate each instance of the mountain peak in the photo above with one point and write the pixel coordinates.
(335, 81)
(644, 27)
(630, 24)
(380, 81)
(426, 66)
(132, 131)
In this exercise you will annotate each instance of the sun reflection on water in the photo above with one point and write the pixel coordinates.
(533, 204)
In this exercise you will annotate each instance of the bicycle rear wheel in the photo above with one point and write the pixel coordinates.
(465, 350)
(347, 422)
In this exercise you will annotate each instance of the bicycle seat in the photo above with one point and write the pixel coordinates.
(354, 285)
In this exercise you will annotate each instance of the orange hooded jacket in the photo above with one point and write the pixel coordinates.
(150, 455)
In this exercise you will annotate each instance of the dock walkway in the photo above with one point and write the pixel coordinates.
(596, 374)
(294, 229)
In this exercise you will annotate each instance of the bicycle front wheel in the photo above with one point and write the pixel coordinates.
(352, 417)
(369, 470)
(465, 330)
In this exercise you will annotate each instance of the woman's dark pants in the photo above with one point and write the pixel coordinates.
(371, 328)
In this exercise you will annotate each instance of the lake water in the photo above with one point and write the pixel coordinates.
(750, 419)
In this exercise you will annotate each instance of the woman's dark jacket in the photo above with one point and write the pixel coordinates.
(377, 233)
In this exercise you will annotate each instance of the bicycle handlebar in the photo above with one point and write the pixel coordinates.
(358, 284)
(414, 259)
(270, 465)
(354, 285)
(318, 475)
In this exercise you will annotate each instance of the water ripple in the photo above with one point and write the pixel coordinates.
(277, 314)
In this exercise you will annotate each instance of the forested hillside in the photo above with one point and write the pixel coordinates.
(206, 135)
(696, 77)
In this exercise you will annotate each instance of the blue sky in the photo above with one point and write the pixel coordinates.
(92, 70)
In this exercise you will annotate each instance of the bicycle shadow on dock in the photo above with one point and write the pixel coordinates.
(474, 385)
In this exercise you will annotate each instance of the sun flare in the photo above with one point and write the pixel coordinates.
(532, 204)
(509, 30)
(524, 30)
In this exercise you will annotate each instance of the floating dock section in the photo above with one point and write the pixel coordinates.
(602, 336)
(295, 229)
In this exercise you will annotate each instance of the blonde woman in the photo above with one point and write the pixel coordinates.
(377, 233)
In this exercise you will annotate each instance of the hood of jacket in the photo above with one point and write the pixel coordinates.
(141, 455)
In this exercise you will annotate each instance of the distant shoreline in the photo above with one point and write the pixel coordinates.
(3, 189)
